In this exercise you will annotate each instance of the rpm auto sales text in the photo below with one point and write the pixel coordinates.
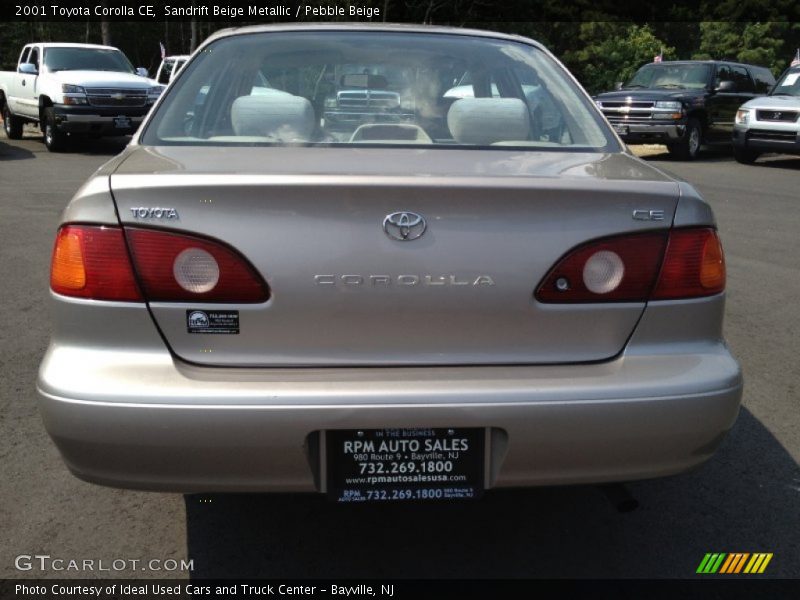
(212, 10)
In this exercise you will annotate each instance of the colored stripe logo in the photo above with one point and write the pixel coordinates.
(734, 563)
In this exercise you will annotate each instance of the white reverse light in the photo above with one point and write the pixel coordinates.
(196, 271)
(603, 272)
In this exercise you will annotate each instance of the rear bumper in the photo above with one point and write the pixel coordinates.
(137, 418)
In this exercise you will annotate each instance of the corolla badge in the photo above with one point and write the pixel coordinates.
(404, 226)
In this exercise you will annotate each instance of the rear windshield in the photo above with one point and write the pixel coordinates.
(367, 88)
(86, 59)
(789, 84)
(670, 76)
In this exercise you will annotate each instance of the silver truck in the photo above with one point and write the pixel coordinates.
(74, 89)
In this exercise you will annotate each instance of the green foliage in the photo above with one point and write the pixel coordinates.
(609, 52)
(756, 43)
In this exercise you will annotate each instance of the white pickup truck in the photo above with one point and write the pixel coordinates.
(75, 89)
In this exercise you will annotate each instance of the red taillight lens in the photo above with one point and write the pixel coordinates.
(683, 263)
(694, 265)
(92, 262)
(174, 267)
(620, 269)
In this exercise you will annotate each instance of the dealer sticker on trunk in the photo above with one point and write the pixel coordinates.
(212, 321)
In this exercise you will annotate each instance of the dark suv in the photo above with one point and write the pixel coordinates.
(683, 104)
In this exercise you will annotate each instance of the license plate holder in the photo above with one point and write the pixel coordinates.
(622, 129)
(396, 464)
(122, 123)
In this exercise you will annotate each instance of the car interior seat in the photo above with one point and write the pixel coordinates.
(486, 121)
(283, 117)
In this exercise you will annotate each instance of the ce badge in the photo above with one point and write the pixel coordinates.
(404, 226)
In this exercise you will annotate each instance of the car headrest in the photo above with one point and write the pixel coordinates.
(283, 117)
(485, 121)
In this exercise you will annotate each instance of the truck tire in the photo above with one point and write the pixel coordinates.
(688, 147)
(745, 156)
(54, 140)
(11, 124)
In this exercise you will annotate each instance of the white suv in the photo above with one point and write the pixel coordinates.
(770, 123)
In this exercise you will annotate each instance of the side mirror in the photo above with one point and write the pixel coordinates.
(726, 86)
(142, 72)
(618, 85)
(28, 69)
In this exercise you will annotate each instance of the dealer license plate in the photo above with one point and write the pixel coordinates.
(390, 465)
(122, 123)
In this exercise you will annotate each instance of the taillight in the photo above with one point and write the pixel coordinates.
(683, 263)
(92, 262)
(175, 267)
(694, 265)
(620, 269)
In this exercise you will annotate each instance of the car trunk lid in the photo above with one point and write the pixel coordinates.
(344, 293)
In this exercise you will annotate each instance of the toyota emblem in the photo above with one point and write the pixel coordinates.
(404, 226)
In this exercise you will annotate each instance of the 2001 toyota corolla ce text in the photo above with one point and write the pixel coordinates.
(383, 263)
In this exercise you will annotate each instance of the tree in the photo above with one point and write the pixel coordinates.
(105, 27)
(756, 43)
(193, 28)
(611, 52)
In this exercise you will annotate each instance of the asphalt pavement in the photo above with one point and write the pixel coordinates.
(746, 499)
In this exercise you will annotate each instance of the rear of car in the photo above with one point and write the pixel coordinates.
(493, 293)
(770, 123)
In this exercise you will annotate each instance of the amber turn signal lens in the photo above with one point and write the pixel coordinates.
(712, 271)
(67, 271)
(693, 266)
(91, 261)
